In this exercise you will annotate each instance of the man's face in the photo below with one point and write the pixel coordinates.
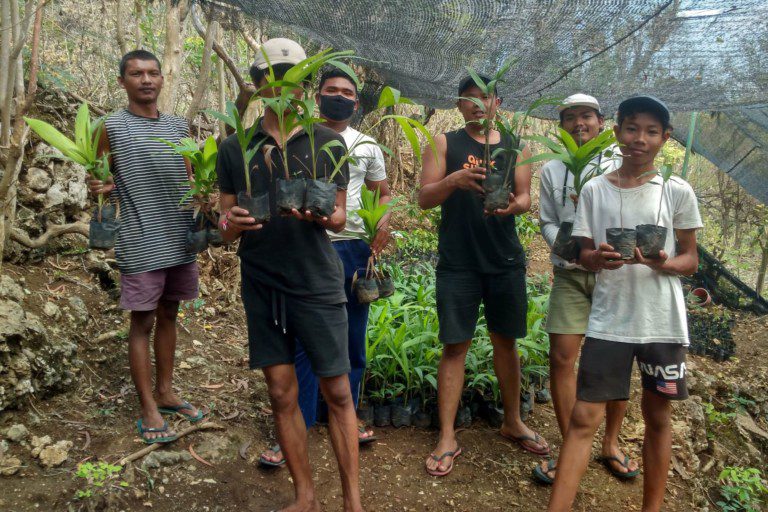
(274, 92)
(473, 112)
(339, 86)
(640, 138)
(583, 123)
(143, 80)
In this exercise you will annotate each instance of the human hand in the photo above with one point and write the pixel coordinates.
(239, 219)
(381, 240)
(97, 187)
(468, 179)
(604, 257)
(657, 264)
(309, 217)
(514, 208)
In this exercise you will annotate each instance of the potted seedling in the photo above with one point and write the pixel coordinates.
(84, 151)
(579, 161)
(203, 230)
(651, 238)
(297, 111)
(375, 283)
(257, 207)
(623, 240)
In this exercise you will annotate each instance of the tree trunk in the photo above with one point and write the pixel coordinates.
(175, 16)
(120, 27)
(139, 15)
(205, 71)
(761, 271)
(20, 129)
(222, 93)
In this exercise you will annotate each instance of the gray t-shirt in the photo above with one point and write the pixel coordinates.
(634, 303)
(369, 166)
(150, 181)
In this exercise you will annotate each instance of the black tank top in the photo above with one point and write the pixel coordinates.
(469, 239)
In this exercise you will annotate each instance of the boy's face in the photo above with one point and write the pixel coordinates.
(473, 112)
(339, 86)
(641, 137)
(143, 80)
(583, 123)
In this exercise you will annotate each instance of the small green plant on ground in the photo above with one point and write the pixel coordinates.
(98, 478)
(742, 490)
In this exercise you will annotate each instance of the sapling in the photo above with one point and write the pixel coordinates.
(579, 160)
(84, 151)
(375, 284)
(257, 207)
(651, 238)
(201, 187)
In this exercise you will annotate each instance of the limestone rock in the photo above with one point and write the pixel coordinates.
(158, 459)
(9, 466)
(747, 427)
(55, 196)
(39, 443)
(217, 448)
(55, 455)
(38, 179)
(52, 310)
(9, 289)
(17, 433)
(79, 310)
(44, 152)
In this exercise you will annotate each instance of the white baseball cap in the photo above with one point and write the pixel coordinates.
(579, 100)
(279, 51)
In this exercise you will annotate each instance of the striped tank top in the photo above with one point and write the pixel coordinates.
(149, 184)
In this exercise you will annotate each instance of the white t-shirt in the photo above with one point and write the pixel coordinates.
(556, 207)
(635, 304)
(369, 166)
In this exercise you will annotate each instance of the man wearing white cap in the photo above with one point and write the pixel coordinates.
(571, 296)
(293, 284)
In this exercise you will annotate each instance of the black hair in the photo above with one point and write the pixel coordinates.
(468, 82)
(334, 72)
(279, 70)
(137, 55)
(636, 108)
(600, 115)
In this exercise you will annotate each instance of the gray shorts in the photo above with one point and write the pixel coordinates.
(276, 320)
(143, 291)
(605, 370)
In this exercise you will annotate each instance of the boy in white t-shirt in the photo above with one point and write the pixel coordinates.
(638, 308)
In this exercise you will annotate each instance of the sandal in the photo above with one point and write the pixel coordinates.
(364, 440)
(629, 475)
(176, 409)
(454, 455)
(263, 461)
(144, 430)
(542, 476)
(537, 439)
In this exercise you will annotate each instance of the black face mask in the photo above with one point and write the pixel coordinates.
(336, 108)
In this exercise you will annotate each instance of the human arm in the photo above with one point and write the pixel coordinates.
(596, 259)
(549, 222)
(520, 200)
(685, 262)
(436, 186)
(376, 179)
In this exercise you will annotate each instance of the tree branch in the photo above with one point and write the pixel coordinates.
(149, 449)
(54, 230)
(205, 69)
(220, 51)
(120, 28)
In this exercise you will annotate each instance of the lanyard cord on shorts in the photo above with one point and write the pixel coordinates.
(565, 180)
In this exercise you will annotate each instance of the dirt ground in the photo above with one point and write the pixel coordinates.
(98, 415)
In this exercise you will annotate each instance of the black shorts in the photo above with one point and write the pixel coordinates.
(276, 320)
(605, 370)
(460, 292)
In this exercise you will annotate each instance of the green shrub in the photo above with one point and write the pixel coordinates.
(742, 490)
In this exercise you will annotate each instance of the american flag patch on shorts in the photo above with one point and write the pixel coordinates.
(669, 388)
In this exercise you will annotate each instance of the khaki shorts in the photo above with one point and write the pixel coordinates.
(570, 301)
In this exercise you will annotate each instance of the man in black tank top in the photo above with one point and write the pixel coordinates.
(481, 259)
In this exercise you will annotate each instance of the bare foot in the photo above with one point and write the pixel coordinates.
(443, 446)
(152, 419)
(303, 506)
(273, 454)
(526, 438)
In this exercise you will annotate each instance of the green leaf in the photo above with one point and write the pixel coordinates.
(56, 139)
(479, 82)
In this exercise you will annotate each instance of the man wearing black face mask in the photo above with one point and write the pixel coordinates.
(338, 101)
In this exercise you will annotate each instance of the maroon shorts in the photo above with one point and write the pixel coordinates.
(143, 291)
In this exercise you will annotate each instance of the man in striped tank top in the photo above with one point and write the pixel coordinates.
(156, 271)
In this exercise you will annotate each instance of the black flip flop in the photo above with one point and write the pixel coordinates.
(364, 440)
(270, 463)
(541, 476)
(629, 475)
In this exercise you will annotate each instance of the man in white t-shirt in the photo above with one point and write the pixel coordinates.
(338, 101)
(638, 308)
(571, 298)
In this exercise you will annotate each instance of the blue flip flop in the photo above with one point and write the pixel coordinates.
(542, 476)
(606, 461)
(143, 430)
(176, 409)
